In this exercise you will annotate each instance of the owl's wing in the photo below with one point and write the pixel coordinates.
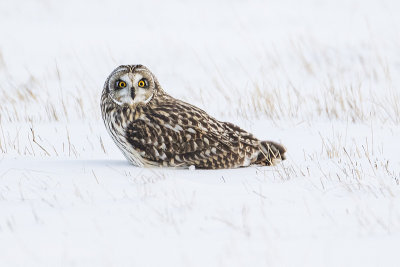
(179, 134)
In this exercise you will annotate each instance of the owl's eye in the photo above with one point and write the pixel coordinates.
(142, 83)
(121, 84)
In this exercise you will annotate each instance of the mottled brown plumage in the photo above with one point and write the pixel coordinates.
(153, 128)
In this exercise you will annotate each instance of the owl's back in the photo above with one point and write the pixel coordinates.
(170, 132)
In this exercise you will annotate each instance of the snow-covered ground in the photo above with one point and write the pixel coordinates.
(321, 77)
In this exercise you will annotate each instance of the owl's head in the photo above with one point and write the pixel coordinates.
(131, 85)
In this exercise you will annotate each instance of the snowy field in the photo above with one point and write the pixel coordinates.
(321, 77)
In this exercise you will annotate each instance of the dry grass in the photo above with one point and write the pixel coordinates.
(58, 103)
(322, 84)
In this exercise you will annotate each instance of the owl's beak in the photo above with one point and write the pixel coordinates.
(133, 93)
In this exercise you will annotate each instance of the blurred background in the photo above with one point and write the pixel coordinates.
(274, 59)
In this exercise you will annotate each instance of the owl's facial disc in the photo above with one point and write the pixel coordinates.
(131, 88)
(120, 91)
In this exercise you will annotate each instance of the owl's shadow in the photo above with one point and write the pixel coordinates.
(107, 162)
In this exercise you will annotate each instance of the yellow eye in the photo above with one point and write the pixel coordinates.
(141, 83)
(121, 84)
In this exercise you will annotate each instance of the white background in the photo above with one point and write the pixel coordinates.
(321, 77)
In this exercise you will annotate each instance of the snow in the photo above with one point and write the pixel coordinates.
(319, 77)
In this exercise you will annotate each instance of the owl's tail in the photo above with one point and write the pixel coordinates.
(271, 153)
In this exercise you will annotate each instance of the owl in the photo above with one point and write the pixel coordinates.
(152, 128)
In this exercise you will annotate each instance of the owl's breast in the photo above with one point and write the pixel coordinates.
(117, 122)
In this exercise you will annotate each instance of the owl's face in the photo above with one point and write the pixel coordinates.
(131, 85)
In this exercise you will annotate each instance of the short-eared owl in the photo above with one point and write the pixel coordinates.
(154, 129)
